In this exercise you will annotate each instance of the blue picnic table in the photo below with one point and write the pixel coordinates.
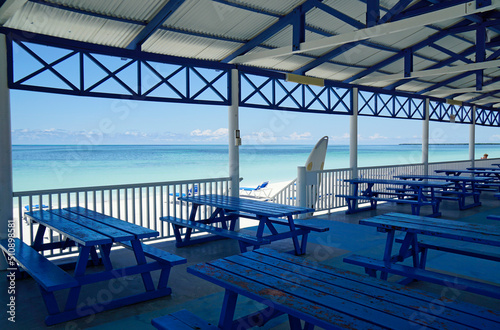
(486, 173)
(464, 186)
(415, 193)
(226, 210)
(94, 234)
(322, 295)
(423, 234)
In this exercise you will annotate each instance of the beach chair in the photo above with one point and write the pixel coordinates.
(261, 188)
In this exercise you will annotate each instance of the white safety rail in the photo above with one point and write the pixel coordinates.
(141, 204)
(332, 182)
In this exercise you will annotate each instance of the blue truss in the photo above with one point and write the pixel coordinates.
(127, 74)
(107, 74)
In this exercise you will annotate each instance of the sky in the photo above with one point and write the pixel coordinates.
(41, 118)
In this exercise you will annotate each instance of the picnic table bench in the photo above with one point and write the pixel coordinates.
(462, 187)
(415, 193)
(413, 246)
(222, 222)
(324, 296)
(91, 232)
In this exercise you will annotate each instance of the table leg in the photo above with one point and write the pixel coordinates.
(388, 252)
(105, 252)
(80, 267)
(141, 260)
(228, 308)
(296, 244)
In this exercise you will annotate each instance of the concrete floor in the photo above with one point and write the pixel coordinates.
(205, 299)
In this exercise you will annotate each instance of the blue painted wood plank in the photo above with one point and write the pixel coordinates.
(427, 229)
(159, 255)
(115, 234)
(399, 182)
(246, 205)
(181, 320)
(309, 265)
(444, 223)
(75, 232)
(270, 296)
(137, 231)
(45, 273)
(481, 288)
(215, 230)
(446, 178)
(352, 289)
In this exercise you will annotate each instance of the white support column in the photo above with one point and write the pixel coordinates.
(5, 148)
(425, 138)
(233, 132)
(472, 138)
(353, 134)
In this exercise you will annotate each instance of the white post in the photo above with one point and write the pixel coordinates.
(472, 138)
(353, 134)
(301, 188)
(5, 148)
(233, 132)
(425, 138)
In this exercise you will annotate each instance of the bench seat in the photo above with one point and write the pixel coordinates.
(182, 320)
(382, 199)
(371, 265)
(158, 255)
(252, 240)
(46, 274)
(494, 217)
(435, 245)
(303, 224)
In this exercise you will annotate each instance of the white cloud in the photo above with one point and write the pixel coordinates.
(209, 134)
(377, 136)
(297, 137)
(495, 137)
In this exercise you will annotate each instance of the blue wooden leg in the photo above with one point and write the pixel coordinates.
(81, 264)
(388, 252)
(164, 275)
(50, 301)
(141, 260)
(228, 308)
(294, 323)
(105, 251)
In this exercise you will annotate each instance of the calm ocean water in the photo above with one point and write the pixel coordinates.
(47, 167)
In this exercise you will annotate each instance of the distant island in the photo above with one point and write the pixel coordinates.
(449, 144)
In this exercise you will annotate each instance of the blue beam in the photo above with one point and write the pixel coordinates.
(341, 16)
(372, 12)
(155, 23)
(480, 54)
(486, 83)
(299, 31)
(453, 55)
(453, 29)
(273, 29)
(326, 57)
(408, 62)
(395, 10)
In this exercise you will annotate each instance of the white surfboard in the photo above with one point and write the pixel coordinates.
(316, 162)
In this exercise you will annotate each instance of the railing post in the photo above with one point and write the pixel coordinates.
(301, 187)
(6, 197)
(425, 138)
(353, 133)
(472, 138)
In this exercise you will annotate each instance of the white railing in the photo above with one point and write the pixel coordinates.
(141, 204)
(331, 182)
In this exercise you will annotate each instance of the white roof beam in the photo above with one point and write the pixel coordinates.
(454, 12)
(449, 91)
(9, 8)
(430, 73)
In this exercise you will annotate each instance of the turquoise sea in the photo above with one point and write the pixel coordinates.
(62, 166)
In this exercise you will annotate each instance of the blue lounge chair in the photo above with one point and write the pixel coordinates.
(258, 189)
(35, 207)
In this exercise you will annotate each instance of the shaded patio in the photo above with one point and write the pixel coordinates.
(189, 292)
(411, 60)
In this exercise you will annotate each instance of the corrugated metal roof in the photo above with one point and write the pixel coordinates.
(213, 30)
